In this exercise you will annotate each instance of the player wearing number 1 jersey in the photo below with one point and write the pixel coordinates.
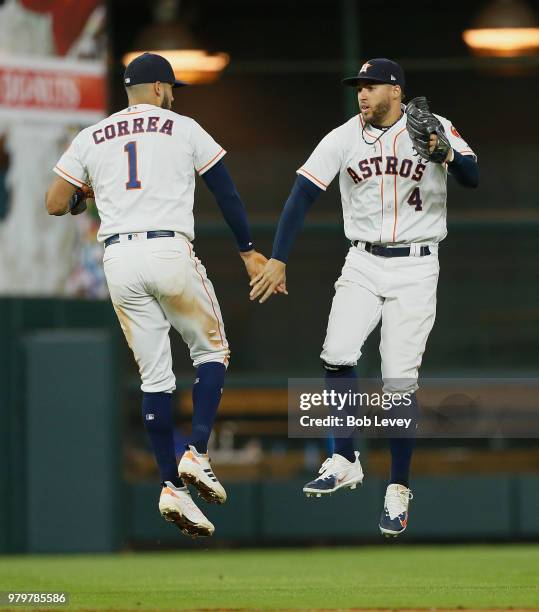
(394, 210)
(141, 163)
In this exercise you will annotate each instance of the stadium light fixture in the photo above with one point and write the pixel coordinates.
(505, 28)
(194, 66)
(171, 36)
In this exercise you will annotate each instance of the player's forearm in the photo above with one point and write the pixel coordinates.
(56, 208)
(301, 198)
(63, 197)
(464, 169)
(223, 189)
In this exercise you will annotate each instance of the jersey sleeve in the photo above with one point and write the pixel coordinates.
(455, 139)
(206, 152)
(70, 166)
(324, 162)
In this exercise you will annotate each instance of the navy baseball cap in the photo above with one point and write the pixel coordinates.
(378, 70)
(149, 68)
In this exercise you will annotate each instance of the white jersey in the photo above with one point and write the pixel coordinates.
(141, 164)
(389, 195)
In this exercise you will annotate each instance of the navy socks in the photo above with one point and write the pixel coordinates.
(342, 381)
(401, 457)
(158, 421)
(207, 390)
(157, 417)
(403, 448)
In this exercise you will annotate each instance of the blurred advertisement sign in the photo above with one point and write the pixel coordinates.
(52, 85)
(52, 89)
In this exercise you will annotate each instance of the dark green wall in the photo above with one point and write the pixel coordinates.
(73, 443)
(18, 319)
(463, 507)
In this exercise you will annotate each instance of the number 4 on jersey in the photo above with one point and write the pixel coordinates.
(415, 199)
(131, 150)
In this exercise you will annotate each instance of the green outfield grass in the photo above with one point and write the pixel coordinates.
(385, 576)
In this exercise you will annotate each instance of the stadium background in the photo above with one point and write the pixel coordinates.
(64, 365)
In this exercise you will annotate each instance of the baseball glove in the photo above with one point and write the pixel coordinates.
(421, 123)
(77, 204)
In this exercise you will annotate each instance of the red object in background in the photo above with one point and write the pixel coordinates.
(52, 88)
(68, 18)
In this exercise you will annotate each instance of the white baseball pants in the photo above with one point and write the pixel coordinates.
(399, 290)
(157, 283)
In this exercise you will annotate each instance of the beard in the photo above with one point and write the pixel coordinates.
(379, 113)
(166, 103)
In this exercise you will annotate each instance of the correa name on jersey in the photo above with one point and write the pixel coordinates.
(138, 125)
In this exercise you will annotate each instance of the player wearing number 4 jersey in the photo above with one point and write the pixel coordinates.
(141, 163)
(392, 163)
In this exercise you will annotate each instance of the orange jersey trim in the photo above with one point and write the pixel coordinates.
(396, 212)
(381, 189)
(311, 176)
(208, 294)
(79, 182)
(211, 160)
(365, 128)
(133, 113)
(362, 123)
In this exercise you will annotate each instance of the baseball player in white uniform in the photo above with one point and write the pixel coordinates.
(394, 210)
(141, 164)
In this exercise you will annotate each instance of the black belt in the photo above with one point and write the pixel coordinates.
(152, 234)
(384, 251)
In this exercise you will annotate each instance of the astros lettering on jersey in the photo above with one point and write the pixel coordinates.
(377, 170)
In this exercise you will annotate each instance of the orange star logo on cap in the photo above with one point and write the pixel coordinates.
(365, 67)
(454, 132)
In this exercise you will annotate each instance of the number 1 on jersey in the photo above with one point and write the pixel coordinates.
(131, 150)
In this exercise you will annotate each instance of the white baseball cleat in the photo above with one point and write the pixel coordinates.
(394, 517)
(195, 469)
(336, 473)
(177, 506)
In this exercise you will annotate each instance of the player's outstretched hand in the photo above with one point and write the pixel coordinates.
(254, 262)
(272, 279)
